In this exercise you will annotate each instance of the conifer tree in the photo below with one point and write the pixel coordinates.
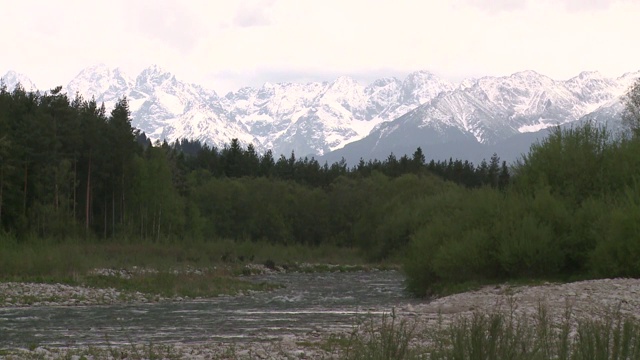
(631, 114)
(123, 143)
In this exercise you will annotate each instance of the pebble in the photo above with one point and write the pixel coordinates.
(35, 294)
(590, 298)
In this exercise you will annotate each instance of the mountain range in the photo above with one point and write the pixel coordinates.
(342, 118)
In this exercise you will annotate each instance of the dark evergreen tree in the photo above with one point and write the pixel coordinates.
(122, 138)
(267, 164)
(631, 114)
(493, 172)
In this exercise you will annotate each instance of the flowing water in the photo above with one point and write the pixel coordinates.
(306, 303)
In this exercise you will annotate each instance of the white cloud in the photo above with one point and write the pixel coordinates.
(226, 45)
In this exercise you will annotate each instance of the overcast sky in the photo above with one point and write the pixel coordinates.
(224, 45)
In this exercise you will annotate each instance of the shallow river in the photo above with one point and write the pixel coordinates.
(308, 302)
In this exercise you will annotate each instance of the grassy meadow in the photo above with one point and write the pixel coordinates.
(191, 269)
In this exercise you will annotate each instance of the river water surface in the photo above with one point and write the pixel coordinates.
(306, 303)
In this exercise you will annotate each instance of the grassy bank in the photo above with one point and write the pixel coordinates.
(482, 335)
(187, 269)
(498, 335)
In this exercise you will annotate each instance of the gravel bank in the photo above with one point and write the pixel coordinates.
(586, 299)
(33, 294)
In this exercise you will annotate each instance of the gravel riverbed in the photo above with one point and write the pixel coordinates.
(586, 299)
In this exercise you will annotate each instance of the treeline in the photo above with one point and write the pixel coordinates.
(234, 161)
(569, 208)
(70, 170)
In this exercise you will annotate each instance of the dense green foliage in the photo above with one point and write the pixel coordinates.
(69, 170)
(631, 114)
(569, 208)
(571, 211)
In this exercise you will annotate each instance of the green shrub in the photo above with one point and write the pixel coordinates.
(442, 224)
(529, 249)
(617, 252)
(571, 161)
(468, 258)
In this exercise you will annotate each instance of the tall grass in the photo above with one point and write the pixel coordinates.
(389, 339)
(71, 262)
(501, 335)
(38, 259)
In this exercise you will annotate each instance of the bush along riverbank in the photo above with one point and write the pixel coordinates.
(570, 213)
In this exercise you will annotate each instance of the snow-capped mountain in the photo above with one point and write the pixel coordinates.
(481, 114)
(346, 117)
(12, 78)
(161, 106)
(316, 118)
(102, 83)
(309, 119)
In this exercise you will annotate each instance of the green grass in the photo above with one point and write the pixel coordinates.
(500, 335)
(47, 260)
(389, 339)
(70, 262)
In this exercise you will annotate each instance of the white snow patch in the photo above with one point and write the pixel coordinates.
(533, 128)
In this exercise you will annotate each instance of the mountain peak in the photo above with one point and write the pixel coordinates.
(630, 76)
(95, 71)
(422, 73)
(154, 75)
(344, 80)
(315, 118)
(383, 82)
(154, 69)
(590, 75)
(13, 78)
(467, 83)
(422, 86)
(526, 74)
(344, 85)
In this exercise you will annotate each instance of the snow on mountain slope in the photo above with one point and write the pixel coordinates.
(162, 106)
(12, 78)
(320, 117)
(102, 83)
(610, 113)
(495, 108)
(314, 118)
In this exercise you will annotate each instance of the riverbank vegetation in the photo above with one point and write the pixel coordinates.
(82, 183)
(493, 334)
(81, 188)
(571, 211)
(164, 270)
(497, 335)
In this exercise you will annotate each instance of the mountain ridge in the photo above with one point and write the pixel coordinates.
(318, 118)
